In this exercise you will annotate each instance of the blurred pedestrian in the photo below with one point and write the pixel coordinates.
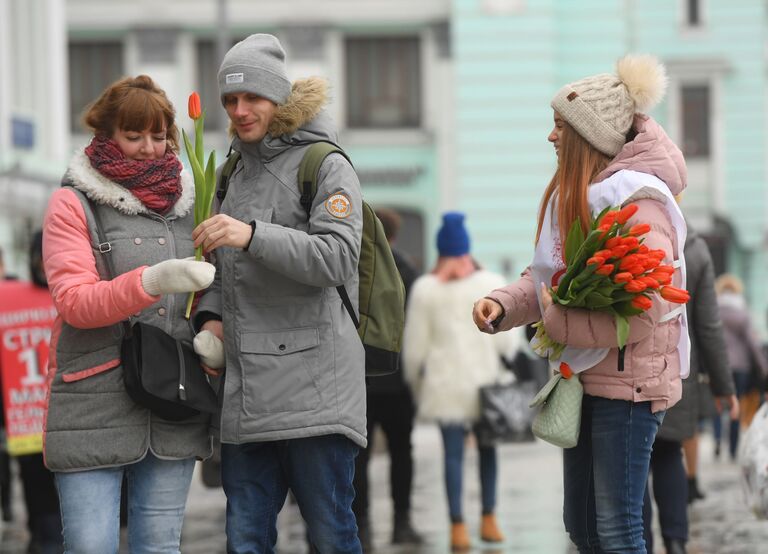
(130, 177)
(745, 357)
(293, 401)
(446, 361)
(23, 378)
(390, 405)
(609, 154)
(670, 486)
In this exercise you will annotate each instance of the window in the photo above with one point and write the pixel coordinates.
(92, 67)
(693, 12)
(383, 82)
(207, 84)
(696, 120)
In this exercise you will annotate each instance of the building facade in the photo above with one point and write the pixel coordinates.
(444, 104)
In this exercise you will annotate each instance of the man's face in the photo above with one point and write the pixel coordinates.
(250, 114)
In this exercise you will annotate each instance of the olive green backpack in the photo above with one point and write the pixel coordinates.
(381, 291)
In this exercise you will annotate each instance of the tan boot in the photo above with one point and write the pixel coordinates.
(489, 529)
(459, 537)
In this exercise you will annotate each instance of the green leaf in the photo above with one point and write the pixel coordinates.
(210, 185)
(596, 221)
(626, 309)
(622, 330)
(573, 241)
(197, 172)
(199, 154)
(595, 300)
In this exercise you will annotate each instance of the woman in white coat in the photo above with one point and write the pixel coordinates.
(446, 361)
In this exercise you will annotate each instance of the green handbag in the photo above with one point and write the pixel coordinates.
(559, 419)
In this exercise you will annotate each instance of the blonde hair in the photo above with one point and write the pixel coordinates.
(133, 104)
(728, 282)
(578, 164)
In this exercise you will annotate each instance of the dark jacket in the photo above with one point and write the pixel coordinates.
(708, 351)
(395, 383)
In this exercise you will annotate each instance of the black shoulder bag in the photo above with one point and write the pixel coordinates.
(160, 372)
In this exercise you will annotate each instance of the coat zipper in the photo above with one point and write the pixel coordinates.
(621, 358)
(182, 372)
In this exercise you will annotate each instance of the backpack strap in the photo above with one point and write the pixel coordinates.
(309, 171)
(226, 172)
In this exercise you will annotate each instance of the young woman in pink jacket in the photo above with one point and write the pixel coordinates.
(608, 154)
(95, 435)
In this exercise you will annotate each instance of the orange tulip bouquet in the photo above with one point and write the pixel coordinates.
(204, 174)
(610, 270)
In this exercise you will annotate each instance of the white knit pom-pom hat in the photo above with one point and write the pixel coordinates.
(601, 108)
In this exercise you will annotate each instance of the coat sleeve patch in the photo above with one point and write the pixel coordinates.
(339, 206)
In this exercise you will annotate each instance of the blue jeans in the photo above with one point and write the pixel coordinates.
(605, 476)
(453, 445)
(157, 495)
(742, 381)
(319, 470)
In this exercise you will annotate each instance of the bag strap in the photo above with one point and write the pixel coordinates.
(104, 246)
(309, 172)
(226, 172)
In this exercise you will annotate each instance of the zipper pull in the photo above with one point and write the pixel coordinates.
(182, 392)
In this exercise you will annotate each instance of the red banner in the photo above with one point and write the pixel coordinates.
(26, 318)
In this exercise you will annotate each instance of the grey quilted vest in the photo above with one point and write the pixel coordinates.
(91, 421)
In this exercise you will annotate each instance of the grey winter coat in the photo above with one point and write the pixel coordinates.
(295, 366)
(708, 353)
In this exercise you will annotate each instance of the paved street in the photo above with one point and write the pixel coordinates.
(529, 508)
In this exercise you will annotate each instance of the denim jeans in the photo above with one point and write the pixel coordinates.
(453, 445)
(742, 381)
(606, 473)
(157, 495)
(319, 470)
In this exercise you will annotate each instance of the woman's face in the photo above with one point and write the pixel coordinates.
(556, 134)
(141, 145)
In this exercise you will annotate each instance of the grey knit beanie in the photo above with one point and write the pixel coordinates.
(601, 108)
(257, 65)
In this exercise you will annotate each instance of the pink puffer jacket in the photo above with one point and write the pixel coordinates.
(649, 368)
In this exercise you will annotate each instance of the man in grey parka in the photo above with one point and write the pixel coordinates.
(293, 393)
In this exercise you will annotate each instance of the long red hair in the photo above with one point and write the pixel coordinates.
(578, 164)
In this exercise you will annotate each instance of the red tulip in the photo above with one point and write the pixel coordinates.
(605, 254)
(635, 286)
(625, 213)
(666, 269)
(619, 251)
(659, 254)
(642, 302)
(661, 277)
(609, 218)
(194, 106)
(650, 263)
(606, 269)
(631, 242)
(596, 260)
(628, 261)
(649, 281)
(623, 277)
(639, 229)
(613, 242)
(676, 295)
(636, 269)
(565, 370)
(643, 249)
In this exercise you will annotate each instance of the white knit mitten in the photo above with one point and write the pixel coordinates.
(171, 276)
(210, 348)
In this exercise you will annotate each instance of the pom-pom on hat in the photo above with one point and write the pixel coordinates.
(452, 238)
(256, 64)
(601, 108)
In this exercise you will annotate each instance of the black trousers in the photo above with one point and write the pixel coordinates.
(670, 490)
(394, 412)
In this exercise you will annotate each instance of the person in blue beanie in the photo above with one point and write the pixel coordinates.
(446, 361)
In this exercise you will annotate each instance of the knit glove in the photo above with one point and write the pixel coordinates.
(171, 276)
(210, 348)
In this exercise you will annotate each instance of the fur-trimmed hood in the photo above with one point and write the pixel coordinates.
(301, 119)
(102, 190)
